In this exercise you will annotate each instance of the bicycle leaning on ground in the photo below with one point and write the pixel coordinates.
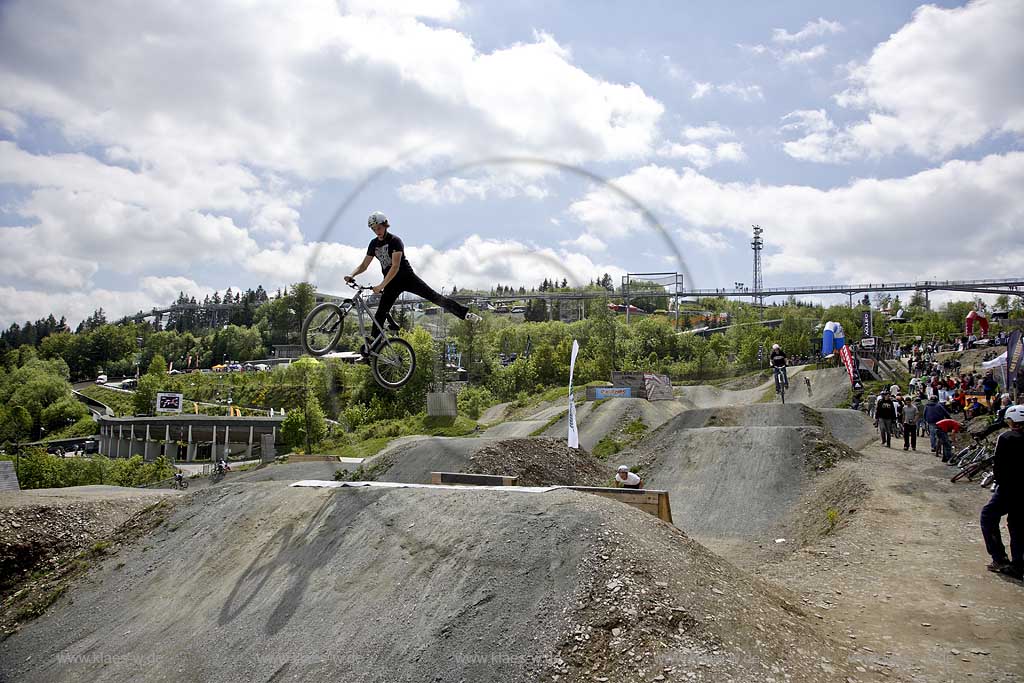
(391, 359)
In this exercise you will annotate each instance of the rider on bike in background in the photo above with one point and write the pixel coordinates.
(778, 361)
(398, 274)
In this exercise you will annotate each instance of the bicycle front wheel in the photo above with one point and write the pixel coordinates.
(322, 328)
(394, 364)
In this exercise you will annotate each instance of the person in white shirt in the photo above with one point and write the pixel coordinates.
(626, 479)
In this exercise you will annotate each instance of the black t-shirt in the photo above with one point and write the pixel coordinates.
(384, 248)
(778, 358)
(1008, 465)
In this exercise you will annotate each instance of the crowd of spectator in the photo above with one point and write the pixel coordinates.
(926, 407)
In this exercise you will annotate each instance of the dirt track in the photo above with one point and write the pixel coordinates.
(267, 582)
(258, 581)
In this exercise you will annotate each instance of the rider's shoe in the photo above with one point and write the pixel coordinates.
(473, 318)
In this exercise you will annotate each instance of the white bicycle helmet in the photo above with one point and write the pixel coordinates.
(623, 468)
(775, 347)
(377, 218)
(1015, 414)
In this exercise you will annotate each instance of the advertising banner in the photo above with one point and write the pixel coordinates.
(867, 328)
(168, 402)
(1014, 350)
(574, 434)
(612, 392)
(851, 369)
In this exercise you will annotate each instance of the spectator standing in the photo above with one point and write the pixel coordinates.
(934, 412)
(910, 417)
(886, 415)
(871, 405)
(1007, 499)
(989, 386)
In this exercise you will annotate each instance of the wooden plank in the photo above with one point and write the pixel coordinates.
(472, 479)
(651, 501)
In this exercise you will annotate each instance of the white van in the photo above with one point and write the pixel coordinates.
(102, 379)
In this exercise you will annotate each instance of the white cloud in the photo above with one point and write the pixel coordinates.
(803, 56)
(712, 130)
(811, 29)
(703, 153)
(11, 122)
(480, 263)
(586, 242)
(18, 304)
(333, 95)
(849, 232)
(700, 89)
(703, 156)
(455, 190)
(730, 151)
(945, 81)
(200, 138)
(747, 93)
(442, 10)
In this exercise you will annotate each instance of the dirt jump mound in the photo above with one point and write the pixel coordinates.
(264, 582)
(540, 462)
(733, 478)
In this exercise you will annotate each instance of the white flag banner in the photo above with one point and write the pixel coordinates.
(574, 434)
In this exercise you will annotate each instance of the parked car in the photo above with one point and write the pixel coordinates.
(130, 383)
(102, 379)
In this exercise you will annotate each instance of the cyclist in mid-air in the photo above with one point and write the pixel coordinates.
(398, 274)
(778, 361)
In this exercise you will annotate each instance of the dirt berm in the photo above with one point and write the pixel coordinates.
(731, 477)
(264, 582)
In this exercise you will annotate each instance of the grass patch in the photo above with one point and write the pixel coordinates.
(606, 447)
(620, 439)
(121, 403)
(635, 427)
(369, 439)
(37, 607)
(549, 424)
(99, 549)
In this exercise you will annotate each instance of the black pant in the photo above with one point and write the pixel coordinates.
(414, 285)
(909, 436)
(998, 505)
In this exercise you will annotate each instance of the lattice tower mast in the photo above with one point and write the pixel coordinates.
(757, 244)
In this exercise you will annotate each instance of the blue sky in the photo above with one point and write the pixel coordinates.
(150, 149)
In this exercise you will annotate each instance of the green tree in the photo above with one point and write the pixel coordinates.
(15, 424)
(62, 413)
(307, 420)
(157, 366)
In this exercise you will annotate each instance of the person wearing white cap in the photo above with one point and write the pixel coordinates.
(626, 479)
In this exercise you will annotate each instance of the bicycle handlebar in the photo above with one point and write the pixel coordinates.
(355, 285)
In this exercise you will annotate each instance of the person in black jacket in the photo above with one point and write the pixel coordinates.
(778, 360)
(399, 277)
(1007, 499)
(885, 413)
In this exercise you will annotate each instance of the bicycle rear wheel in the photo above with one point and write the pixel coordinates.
(322, 328)
(394, 363)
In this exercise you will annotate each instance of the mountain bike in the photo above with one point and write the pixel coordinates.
(780, 383)
(976, 462)
(391, 359)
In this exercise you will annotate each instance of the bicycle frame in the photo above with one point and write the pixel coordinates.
(357, 302)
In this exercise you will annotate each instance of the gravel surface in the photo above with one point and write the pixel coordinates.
(266, 582)
(597, 421)
(541, 462)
